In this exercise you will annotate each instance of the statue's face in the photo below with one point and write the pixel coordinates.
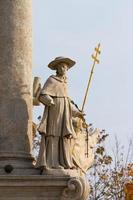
(62, 69)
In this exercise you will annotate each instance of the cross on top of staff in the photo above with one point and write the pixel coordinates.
(97, 52)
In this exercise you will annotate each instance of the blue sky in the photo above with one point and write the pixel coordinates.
(73, 28)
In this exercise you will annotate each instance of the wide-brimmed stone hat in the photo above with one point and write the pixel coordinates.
(53, 64)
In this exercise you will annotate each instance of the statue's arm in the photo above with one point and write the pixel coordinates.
(46, 99)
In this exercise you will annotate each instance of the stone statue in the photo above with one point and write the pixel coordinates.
(67, 142)
(56, 127)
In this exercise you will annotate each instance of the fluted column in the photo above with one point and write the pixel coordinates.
(15, 82)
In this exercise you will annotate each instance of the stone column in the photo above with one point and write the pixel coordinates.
(15, 84)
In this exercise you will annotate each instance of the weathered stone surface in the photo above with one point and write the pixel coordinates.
(15, 82)
(42, 188)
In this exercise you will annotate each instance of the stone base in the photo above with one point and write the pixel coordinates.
(61, 172)
(17, 164)
(43, 187)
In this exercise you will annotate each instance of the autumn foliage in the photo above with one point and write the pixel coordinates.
(110, 172)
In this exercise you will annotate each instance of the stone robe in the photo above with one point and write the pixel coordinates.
(56, 126)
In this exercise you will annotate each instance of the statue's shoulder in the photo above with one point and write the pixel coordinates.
(50, 82)
(50, 79)
(55, 78)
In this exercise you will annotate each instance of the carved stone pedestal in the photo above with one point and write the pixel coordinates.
(44, 187)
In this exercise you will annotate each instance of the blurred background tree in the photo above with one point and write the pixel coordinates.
(110, 172)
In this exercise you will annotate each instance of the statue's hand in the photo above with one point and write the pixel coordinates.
(51, 102)
(80, 114)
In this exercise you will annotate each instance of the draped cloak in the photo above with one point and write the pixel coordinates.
(56, 125)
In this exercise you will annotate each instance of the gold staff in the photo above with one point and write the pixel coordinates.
(95, 60)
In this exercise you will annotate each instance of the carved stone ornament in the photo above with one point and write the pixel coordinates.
(77, 189)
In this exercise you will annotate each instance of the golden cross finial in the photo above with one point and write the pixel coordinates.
(94, 57)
